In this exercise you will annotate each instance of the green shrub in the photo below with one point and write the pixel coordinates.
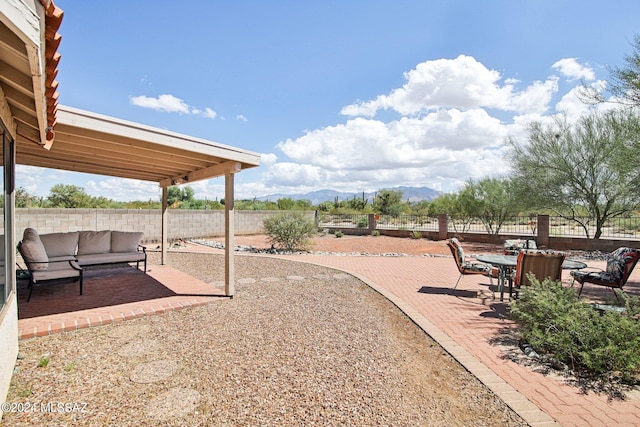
(339, 234)
(375, 233)
(557, 323)
(363, 222)
(289, 230)
(416, 234)
(44, 361)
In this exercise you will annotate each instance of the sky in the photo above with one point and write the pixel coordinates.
(349, 95)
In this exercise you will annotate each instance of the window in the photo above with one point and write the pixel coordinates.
(6, 234)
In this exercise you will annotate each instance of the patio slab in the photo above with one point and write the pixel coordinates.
(109, 296)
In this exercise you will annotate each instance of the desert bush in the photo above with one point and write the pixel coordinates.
(363, 222)
(557, 323)
(289, 230)
(416, 234)
(339, 234)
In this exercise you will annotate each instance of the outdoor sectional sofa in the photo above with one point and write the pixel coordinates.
(62, 255)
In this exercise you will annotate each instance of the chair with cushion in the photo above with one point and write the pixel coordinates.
(468, 265)
(620, 264)
(41, 267)
(513, 246)
(539, 265)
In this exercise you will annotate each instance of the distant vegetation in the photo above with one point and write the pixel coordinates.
(73, 196)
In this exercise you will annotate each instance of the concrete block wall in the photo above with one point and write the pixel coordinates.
(182, 224)
(63, 220)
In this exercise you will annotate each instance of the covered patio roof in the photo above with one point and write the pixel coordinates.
(97, 144)
(49, 135)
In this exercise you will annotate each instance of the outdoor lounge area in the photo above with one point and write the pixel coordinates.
(470, 324)
(111, 294)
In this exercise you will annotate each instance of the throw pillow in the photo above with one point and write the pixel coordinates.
(33, 250)
(125, 241)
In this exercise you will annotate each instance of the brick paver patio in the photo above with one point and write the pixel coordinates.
(468, 324)
(421, 286)
(121, 294)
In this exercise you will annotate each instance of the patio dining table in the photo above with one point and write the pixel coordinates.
(506, 263)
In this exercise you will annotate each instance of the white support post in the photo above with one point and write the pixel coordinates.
(164, 227)
(229, 234)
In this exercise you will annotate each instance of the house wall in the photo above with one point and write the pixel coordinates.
(8, 344)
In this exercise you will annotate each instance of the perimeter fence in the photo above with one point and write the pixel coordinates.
(616, 228)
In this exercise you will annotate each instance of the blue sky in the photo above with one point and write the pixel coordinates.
(348, 95)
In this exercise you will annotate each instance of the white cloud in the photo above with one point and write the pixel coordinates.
(242, 118)
(295, 174)
(365, 144)
(29, 178)
(165, 103)
(448, 170)
(462, 83)
(209, 113)
(454, 118)
(571, 106)
(171, 104)
(573, 70)
(123, 189)
(268, 159)
(440, 150)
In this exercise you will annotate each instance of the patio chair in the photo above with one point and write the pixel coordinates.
(538, 265)
(41, 267)
(620, 264)
(513, 246)
(469, 265)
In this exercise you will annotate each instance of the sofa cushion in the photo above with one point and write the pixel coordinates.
(125, 241)
(33, 250)
(94, 242)
(57, 270)
(111, 258)
(60, 244)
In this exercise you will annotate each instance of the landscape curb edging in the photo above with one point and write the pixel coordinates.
(528, 411)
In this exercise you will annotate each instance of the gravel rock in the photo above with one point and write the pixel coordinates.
(322, 350)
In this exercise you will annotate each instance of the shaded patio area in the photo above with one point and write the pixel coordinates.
(110, 295)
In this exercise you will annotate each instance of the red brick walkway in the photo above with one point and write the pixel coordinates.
(466, 326)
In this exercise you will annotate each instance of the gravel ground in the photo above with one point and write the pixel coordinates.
(298, 345)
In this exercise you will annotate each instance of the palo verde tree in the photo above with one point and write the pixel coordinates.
(623, 84)
(449, 204)
(493, 201)
(585, 169)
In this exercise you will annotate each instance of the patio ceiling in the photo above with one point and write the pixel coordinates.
(93, 143)
(29, 60)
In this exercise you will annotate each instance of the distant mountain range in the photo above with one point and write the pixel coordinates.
(412, 194)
